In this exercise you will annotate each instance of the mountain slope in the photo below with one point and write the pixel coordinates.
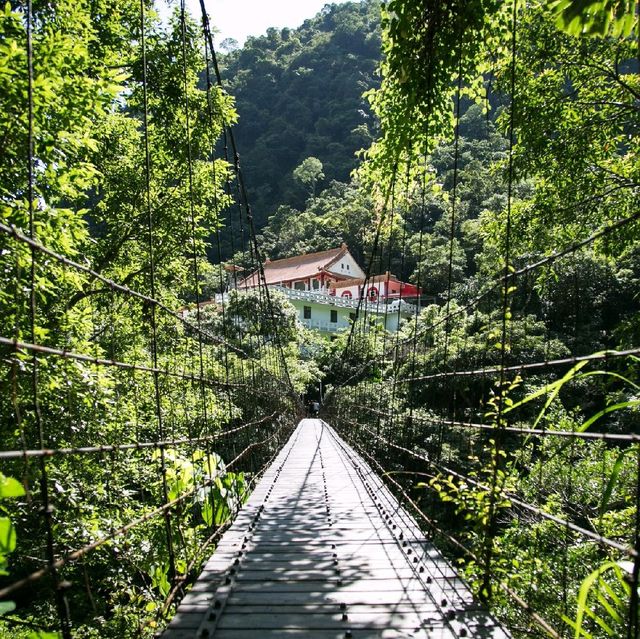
(299, 94)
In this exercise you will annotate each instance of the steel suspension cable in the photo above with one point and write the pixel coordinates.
(47, 506)
(496, 443)
(247, 206)
(158, 511)
(152, 285)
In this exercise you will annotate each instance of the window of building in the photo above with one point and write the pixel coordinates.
(299, 286)
(373, 293)
(347, 294)
(306, 312)
(334, 316)
(352, 317)
(315, 284)
(348, 269)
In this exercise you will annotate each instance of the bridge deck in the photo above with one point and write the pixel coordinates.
(322, 549)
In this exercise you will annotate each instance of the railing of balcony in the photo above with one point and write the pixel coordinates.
(382, 306)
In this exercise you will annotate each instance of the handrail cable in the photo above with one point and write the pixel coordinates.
(160, 510)
(543, 623)
(601, 539)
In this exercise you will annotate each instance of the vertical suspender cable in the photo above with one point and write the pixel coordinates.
(47, 507)
(633, 627)
(247, 205)
(414, 340)
(634, 623)
(152, 282)
(374, 250)
(192, 214)
(217, 208)
(405, 423)
(491, 518)
(194, 247)
(452, 229)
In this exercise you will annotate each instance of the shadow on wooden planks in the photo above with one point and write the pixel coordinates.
(322, 549)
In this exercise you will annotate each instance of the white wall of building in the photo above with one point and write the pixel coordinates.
(321, 305)
(321, 317)
(347, 266)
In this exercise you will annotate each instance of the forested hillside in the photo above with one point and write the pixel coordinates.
(298, 94)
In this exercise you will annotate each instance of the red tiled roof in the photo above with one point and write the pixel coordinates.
(372, 280)
(296, 268)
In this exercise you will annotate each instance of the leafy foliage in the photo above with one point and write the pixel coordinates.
(544, 159)
(596, 17)
(560, 162)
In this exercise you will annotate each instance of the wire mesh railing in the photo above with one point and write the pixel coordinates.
(134, 419)
(505, 414)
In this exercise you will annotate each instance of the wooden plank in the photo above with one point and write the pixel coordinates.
(336, 584)
(234, 617)
(328, 608)
(356, 633)
(382, 572)
(279, 561)
(380, 598)
(323, 549)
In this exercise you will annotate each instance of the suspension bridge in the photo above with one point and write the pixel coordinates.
(324, 549)
(157, 477)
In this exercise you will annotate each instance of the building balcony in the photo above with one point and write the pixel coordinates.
(316, 296)
(379, 306)
(322, 325)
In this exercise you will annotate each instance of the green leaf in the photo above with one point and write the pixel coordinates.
(613, 478)
(6, 606)
(607, 410)
(581, 603)
(207, 512)
(551, 389)
(595, 17)
(7, 536)
(159, 579)
(10, 487)
(613, 613)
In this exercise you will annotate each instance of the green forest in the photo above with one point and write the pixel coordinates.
(299, 95)
(485, 151)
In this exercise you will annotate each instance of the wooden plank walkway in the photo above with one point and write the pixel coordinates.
(322, 549)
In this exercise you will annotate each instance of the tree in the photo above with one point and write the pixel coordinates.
(229, 45)
(308, 173)
(539, 197)
(97, 206)
(433, 271)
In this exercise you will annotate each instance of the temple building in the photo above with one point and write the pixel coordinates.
(383, 287)
(309, 272)
(326, 288)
